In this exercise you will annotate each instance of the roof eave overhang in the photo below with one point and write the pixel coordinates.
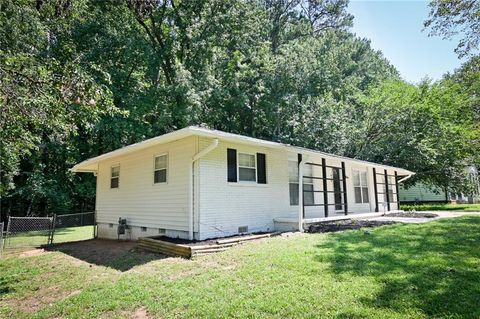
(91, 165)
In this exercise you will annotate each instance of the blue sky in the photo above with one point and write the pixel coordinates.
(395, 28)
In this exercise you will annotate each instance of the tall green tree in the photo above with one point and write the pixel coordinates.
(456, 18)
(47, 100)
(81, 78)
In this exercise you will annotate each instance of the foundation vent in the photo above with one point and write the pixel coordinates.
(243, 229)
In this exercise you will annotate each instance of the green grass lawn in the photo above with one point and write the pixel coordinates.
(427, 270)
(40, 238)
(439, 207)
(68, 234)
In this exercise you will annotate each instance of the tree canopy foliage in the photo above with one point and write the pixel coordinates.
(456, 18)
(80, 78)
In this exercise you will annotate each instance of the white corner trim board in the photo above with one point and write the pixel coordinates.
(196, 157)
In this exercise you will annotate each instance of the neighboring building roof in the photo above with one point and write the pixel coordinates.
(90, 165)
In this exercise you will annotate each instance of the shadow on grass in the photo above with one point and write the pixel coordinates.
(120, 255)
(432, 268)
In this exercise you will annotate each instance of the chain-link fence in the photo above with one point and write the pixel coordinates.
(74, 227)
(28, 231)
(39, 231)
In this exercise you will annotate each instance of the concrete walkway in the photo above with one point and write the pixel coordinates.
(414, 220)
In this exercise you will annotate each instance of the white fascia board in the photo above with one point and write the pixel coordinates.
(296, 149)
(86, 166)
(166, 138)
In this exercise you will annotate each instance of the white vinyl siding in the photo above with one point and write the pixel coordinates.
(222, 207)
(138, 199)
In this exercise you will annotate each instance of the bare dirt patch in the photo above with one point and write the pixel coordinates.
(140, 313)
(346, 224)
(41, 298)
(120, 255)
(32, 253)
(412, 215)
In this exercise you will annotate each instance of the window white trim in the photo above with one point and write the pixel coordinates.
(248, 167)
(111, 177)
(167, 168)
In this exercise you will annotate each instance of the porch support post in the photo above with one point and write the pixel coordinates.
(301, 208)
(375, 189)
(386, 190)
(344, 181)
(325, 193)
(396, 188)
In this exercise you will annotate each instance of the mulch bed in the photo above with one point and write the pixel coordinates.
(346, 224)
(412, 215)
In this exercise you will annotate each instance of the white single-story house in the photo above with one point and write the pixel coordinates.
(421, 193)
(197, 183)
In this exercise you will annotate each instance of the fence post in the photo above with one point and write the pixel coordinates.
(1, 239)
(94, 224)
(8, 230)
(52, 230)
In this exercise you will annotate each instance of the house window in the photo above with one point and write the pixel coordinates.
(360, 186)
(307, 184)
(160, 170)
(114, 176)
(247, 171)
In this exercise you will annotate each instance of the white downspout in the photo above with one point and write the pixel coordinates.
(191, 183)
(300, 195)
(405, 178)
